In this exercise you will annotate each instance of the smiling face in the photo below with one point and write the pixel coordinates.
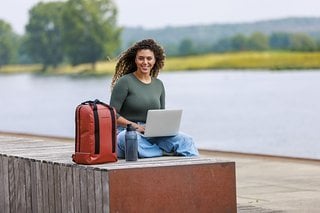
(145, 61)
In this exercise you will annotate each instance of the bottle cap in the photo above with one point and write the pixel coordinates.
(130, 127)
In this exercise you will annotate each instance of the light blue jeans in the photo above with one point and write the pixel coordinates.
(180, 145)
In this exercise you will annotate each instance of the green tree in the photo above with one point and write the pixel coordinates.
(43, 34)
(239, 42)
(223, 45)
(90, 31)
(318, 44)
(23, 54)
(258, 41)
(279, 41)
(302, 42)
(186, 47)
(7, 48)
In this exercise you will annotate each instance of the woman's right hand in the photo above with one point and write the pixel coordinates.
(139, 128)
(124, 122)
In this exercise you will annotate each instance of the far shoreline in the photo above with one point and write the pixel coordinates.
(249, 61)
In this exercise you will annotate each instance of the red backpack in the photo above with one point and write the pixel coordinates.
(95, 139)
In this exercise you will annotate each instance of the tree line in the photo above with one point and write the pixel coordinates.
(73, 31)
(255, 42)
(85, 31)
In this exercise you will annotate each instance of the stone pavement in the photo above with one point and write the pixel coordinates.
(274, 184)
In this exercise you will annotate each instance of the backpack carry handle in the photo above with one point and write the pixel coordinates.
(95, 102)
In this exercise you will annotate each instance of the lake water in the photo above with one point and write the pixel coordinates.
(273, 113)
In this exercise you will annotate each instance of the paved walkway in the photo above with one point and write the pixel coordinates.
(272, 184)
(269, 184)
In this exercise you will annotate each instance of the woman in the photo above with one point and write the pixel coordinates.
(135, 90)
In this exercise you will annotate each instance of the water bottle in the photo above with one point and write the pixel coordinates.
(131, 144)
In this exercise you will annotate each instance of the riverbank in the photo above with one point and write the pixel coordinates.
(264, 184)
(240, 60)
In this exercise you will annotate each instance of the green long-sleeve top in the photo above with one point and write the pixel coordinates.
(132, 98)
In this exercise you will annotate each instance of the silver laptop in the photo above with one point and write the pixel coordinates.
(162, 122)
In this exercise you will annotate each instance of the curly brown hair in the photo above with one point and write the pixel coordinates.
(126, 62)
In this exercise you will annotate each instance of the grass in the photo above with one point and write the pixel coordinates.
(11, 69)
(102, 68)
(240, 60)
(247, 60)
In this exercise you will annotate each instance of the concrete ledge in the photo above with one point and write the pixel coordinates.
(38, 176)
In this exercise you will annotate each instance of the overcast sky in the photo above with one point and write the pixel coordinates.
(162, 13)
